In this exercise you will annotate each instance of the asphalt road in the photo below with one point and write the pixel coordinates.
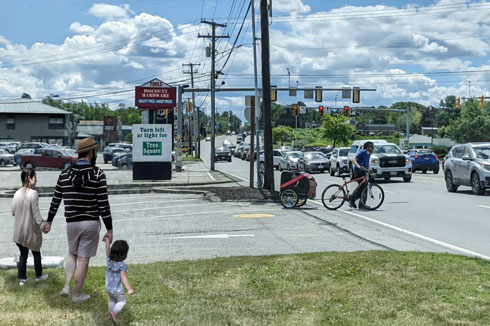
(421, 209)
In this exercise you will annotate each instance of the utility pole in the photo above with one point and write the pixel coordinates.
(266, 89)
(197, 138)
(256, 99)
(178, 152)
(213, 85)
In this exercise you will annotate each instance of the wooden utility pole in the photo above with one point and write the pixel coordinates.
(197, 137)
(213, 38)
(266, 90)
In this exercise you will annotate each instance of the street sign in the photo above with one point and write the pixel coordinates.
(247, 112)
(346, 92)
(292, 91)
(302, 109)
(155, 95)
(308, 93)
(152, 143)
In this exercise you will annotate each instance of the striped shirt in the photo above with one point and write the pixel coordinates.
(84, 191)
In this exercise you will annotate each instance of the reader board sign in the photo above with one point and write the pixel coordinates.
(155, 98)
(152, 143)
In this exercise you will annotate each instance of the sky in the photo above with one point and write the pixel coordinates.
(98, 51)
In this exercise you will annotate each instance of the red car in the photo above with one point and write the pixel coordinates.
(48, 158)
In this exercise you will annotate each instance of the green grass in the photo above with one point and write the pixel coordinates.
(362, 288)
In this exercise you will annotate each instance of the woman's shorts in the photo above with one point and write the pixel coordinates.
(83, 238)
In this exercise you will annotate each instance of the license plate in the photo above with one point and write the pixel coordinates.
(427, 158)
(320, 166)
(393, 173)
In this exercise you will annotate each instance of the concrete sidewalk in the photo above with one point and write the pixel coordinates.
(121, 181)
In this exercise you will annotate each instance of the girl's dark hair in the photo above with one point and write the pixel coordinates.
(119, 250)
(25, 174)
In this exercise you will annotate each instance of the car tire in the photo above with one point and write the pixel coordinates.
(338, 171)
(29, 166)
(229, 160)
(388, 178)
(124, 167)
(450, 186)
(2, 163)
(424, 171)
(288, 168)
(436, 171)
(351, 172)
(332, 172)
(105, 161)
(407, 179)
(476, 187)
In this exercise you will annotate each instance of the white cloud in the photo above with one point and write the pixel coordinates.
(102, 10)
(290, 6)
(78, 28)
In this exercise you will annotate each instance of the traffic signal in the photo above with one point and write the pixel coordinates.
(320, 110)
(458, 103)
(482, 101)
(356, 95)
(189, 106)
(295, 110)
(346, 111)
(318, 94)
(273, 93)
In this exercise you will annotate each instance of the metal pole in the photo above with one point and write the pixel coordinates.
(252, 142)
(408, 125)
(178, 154)
(257, 101)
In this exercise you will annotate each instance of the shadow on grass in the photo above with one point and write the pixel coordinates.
(48, 291)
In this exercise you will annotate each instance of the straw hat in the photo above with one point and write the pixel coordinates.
(86, 144)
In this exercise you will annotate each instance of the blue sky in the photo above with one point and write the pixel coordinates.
(98, 51)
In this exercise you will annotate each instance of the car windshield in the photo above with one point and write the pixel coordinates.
(2, 151)
(482, 152)
(222, 149)
(344, 152)
(294, 155)
(314, 156)
(386, 149)
(68, 153)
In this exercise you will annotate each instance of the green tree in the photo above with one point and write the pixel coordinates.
(281, 134)
(337, 128)
(473, 125)
(129, 138)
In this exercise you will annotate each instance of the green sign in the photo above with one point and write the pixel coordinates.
(152, 148)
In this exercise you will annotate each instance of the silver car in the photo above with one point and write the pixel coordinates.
(339, 161)
(289, 160)
(313, 161)
(6, 158)
(468, 165)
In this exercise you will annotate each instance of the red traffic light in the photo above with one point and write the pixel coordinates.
(295, 110)
(320, 110)
(346, 110)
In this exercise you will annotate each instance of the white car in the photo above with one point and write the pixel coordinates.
(277, 155)
(339, 161)
(289, 160)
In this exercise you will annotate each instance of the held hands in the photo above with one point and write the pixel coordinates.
(108, 236)
(47, 228)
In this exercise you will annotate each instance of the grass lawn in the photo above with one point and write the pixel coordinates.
(361, 288)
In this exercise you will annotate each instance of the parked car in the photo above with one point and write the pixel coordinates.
(244, 152)
(113, 148)
(260, 148)
(339, 162)
(6, 158)
(238, 150)
(125, 161)
(9, 147)
(313, 161)
(290, 160)
(48, 158)
(285, 148)
(239, 139)
(468, 165)
(20, 152)
(307, 149)
(325, 150)
(387, 160)
(232, 148)
(424, 160)
(118, 154)
(276, 157)
(222, 153)
(208, 138)
(32, 145)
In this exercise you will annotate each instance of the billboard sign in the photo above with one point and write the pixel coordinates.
(152, 143)
(155, 95)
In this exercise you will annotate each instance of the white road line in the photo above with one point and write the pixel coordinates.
(215, 236)
(483, 206)
(416, 235)
(211, 176)
(389, 192)
(160, 207)
(236, 176)
(189, 214)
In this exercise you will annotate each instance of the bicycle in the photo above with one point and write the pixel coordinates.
(334, 196)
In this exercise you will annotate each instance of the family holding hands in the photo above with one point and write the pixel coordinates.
(83, 189)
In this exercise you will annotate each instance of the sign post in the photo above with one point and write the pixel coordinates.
(153, 141)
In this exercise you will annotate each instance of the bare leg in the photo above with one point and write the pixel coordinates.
(80, 275)
(70, 266)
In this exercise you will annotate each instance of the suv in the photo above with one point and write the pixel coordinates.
(112, 148)
(387, 160)
(468, 165)
(339, 163)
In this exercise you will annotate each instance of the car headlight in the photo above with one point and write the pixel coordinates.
(486, 167)
(375, 161)
(408, 160)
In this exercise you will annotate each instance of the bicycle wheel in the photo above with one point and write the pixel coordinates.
(289, 198)
(372, 197)
(333, 197)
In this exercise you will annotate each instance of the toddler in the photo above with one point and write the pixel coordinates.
(116, 272)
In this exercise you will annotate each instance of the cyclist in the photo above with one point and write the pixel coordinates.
(361, 165)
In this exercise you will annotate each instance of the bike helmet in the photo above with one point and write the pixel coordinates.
(368, 144)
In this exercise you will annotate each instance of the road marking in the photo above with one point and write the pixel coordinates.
(160, 207)
(416, 235)
(483, 206)
(257, 215)
(211, 176)
(389, 192)
(236, 176)
(215, 236)
(189, 214)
